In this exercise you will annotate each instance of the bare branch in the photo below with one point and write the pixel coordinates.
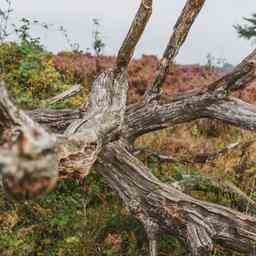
(172, 109)
(56, 120)
(76, 150)
(144, 118)
(167, 111)
(181, 30)
(203, 183)
(194, 159)
(233, 111)
(106, 105)
(75, 89)
(136, 30)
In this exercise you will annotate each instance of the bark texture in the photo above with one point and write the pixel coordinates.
(178, 37)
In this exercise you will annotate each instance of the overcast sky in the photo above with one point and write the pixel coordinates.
(212, 32)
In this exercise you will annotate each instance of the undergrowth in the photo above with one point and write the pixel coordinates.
(30, 75)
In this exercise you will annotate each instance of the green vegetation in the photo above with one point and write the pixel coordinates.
(30, 74)
(76, 219)
(85, 218)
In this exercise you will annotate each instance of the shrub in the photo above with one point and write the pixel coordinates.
(30, 74)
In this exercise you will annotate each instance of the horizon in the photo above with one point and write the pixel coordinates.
(214, 25)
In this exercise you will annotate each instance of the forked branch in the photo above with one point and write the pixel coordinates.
(31, 160)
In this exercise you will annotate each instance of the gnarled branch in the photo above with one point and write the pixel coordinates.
(33, 156)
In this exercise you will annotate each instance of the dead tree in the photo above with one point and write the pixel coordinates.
(39, 144)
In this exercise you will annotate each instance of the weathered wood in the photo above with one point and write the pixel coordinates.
(55, 120)
(104, 114)
(181, 30)
(76, 150)
(136, 30)
(167, 110)
(75, 89)
(242, 75)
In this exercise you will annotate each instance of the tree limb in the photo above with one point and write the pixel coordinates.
(191, 183)
(141, 118)
(136, 30)
(56, 120)
(75, 89)
(233, 111)
(28, 162)
(181, 30)
(76, 150)
(239, 78)
(200, 158)
(144, 118)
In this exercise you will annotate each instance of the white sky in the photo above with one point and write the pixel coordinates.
(212, 33)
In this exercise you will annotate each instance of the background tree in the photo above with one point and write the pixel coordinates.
(247, 31)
